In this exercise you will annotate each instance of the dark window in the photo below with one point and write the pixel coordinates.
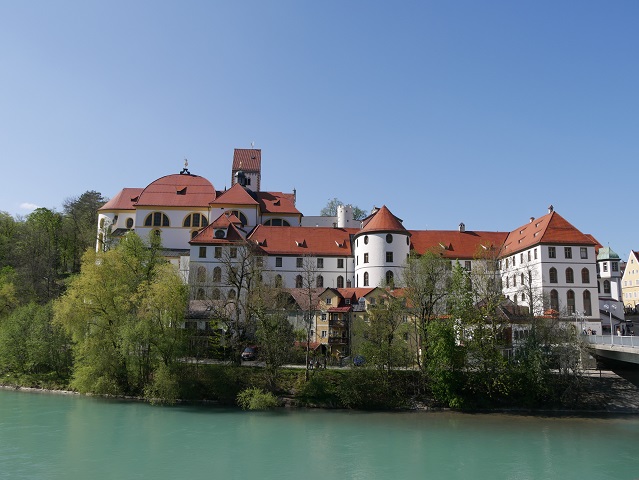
(320, 281)
(389, 238)
(585, 275)
(554, 300)
(366, 279)
(568, 252)
(553, 275)
(340, 263)
(583, 252)
(587, 303)
(320, 263)
(278, 261)
(202, 252)
(299, 262)
(606, 286)
(233, 252)
(389, 277)
(570, 300)
(366, 258)
(129, 223)
(340, 282)
(570, 277)
(389, 257)
(217, 274)
(552, 252)
(218, 252)
(299, 281)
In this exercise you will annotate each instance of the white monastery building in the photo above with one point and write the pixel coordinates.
(546, 265)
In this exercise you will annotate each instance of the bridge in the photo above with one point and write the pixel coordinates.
(613, 347)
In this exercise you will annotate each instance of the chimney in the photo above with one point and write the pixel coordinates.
(551, 209)
(532, 219)
(462, 227)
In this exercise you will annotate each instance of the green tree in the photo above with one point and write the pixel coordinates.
(37, 256)
(426, 279)
(79, 227)
(8, 238)
(123, 312)
(330, 210)
(31, 343)
(384, 337)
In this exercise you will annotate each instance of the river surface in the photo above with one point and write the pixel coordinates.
(54, 436)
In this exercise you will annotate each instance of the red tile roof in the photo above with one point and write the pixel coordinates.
(301, 241)
(236, 195)
(454, 244)
(277, 203)
(247, 159)
(354, 293)
(124, 200)
(178, 190)
(551, 228)
(206, 236)
(382, 221)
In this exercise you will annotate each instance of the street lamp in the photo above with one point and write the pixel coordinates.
(607, 307)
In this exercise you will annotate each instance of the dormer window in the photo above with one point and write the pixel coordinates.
(220, 233)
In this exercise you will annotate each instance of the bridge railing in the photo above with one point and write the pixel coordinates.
(624, 341)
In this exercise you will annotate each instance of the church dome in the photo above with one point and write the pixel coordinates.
(178, 190)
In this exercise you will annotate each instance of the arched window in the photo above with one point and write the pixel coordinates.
(507, 282)
(200, 294)
(340, 282)
(194, 233)
(514, 280)
(195, 220)
(522, 280)
(570, 301)
(570, 276)
(277, 222)
(365, 239)
(215, 294)
(217, 274)
(606, 286)
(299, 281)
(389, 277)
(278, 281)
(554, 300)
(553, 275)
(201, 274)
(231, 295)
(129, 223)
(366, 279)
(320, 281)
(156, 219)
(389, 238)
(587, 304)
(515, 298)
(241, 216)
(585, 275)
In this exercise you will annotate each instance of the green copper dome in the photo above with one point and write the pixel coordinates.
(607, 253)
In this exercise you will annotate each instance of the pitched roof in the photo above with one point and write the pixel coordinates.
(382, 221)
(356, 293)
(454, 244)
(178, 190)
(277, 203)
(124, 200)
(236, 195)
(206, 236)
(607, 253)
(247, 159)
(301, 296)
(551, 228)
(301, 241)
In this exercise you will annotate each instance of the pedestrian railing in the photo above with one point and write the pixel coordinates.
(615, 340)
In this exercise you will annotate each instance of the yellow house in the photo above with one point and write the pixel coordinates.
(630, 281)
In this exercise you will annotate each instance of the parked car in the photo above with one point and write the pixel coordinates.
(249, 353)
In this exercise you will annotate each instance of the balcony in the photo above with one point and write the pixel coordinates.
(337, 340)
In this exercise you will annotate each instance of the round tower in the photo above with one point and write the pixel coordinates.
(381, 248)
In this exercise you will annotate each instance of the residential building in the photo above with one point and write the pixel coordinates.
(630, 281)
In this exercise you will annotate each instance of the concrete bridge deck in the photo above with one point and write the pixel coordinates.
(619, 348)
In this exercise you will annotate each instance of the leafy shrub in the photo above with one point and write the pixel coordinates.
(256, 399)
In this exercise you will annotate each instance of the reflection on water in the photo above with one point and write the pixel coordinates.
(56, 436)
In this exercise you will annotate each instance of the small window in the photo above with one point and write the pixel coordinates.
(202, 252)
(233, 252)
(366, 279)
(299, 262)
(366, 258)
(217, 274)
(390, 278)
(320, 263)
(552, 253)
(583, 252)
(568, 252)
(299, 281)
(529, 255)
(570, 277)
(389, 238)
(605, 266)
(606, 286)
(278, 261)
(340, 263)
(521, 258)
(615, 267)
(218, 252)
(129, 223)
(320, 281)
(467, 265)
(329, 301)
(340, 282)
(389, 257)
(585, 275)
(535, 254)
(365, 239)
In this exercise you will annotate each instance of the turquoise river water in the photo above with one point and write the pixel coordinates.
(53, 436)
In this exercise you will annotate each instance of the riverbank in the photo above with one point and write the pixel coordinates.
(604, 392)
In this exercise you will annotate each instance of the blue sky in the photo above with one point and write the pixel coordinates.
(447, 112)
